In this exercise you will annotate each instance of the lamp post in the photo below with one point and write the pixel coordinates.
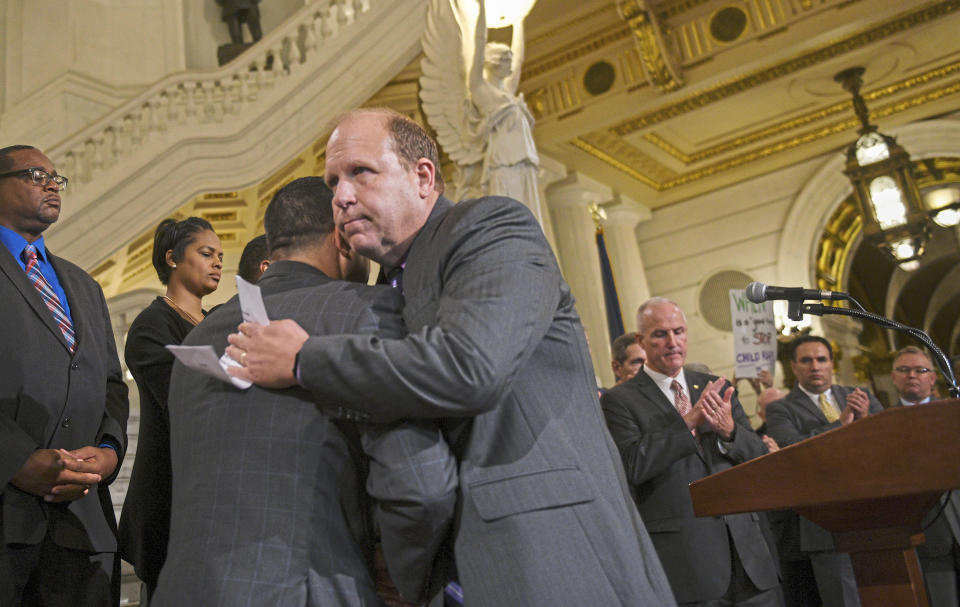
(881, 173)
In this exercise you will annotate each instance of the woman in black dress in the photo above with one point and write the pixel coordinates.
(188, 258)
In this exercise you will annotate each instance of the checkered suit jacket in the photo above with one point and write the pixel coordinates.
(268, 507)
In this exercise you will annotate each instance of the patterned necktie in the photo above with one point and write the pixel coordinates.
(49, 297)
(828, 410)
(681, 401)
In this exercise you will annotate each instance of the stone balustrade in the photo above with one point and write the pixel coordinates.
(183, 101)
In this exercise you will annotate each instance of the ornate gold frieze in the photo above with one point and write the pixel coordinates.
(580, 48)
(809, 118)
(655, 56)
(616, 152)
(895, 25)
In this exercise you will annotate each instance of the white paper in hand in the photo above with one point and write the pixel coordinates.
(251, 303)
(204, 359)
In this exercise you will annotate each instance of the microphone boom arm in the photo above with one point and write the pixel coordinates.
(941, 359)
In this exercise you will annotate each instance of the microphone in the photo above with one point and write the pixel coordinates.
(757, 292)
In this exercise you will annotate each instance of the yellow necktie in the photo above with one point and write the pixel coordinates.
(829, 411)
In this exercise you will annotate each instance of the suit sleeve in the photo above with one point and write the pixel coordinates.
(499, 289)
(746, 443)
(649, 439)
(412, 478)
(784, 425)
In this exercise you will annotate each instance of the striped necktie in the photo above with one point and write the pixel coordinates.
(49, 297)
(681, 401)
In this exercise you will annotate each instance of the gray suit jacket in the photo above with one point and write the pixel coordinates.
(268, 505)
(544, 516)
(661, 459)
(793, 419)
(50, 398)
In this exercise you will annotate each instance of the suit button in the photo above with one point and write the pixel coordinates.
(66, 423)
(74, 365)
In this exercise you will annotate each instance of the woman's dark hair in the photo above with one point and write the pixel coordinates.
(173, 235)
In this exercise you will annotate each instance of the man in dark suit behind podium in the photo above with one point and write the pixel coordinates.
(63, 406)
(674, 426)
(814, 406)
(914, 378)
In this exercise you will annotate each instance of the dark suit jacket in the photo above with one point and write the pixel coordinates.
(661, 460)
(50, 398)
(790, 420)
(544, 514)
(268, 505)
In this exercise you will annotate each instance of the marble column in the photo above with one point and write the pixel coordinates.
(574, 231)
(623, 216)
(845, 332)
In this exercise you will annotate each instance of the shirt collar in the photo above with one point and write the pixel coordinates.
(907, 403)
(816, 397)
(15, 243)
(664, 381)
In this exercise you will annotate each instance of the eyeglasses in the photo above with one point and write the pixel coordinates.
(40, 177)
(917, 370)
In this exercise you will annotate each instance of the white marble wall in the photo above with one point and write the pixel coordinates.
(65, 63)
(737, 227)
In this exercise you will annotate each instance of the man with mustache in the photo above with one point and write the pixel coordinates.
(63, 406)
(816, 405)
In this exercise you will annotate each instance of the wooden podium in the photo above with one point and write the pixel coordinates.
(870, 483)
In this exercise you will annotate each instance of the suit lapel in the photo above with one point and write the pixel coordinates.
(653, 394)
(18, 278)
(802, 400)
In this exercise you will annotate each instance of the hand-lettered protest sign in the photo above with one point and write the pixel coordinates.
(754, 335)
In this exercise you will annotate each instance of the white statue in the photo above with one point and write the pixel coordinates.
(481, 122)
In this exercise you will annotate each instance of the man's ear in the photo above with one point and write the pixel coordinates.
(264, 264)
(168, 258)
(426, 177)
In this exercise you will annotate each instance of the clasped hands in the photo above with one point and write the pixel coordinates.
(58, 475)
(713, 410)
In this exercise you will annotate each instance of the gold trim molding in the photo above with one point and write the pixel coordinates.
(895, 25)
(595, 146)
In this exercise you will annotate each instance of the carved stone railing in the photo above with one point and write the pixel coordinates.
(229, 128)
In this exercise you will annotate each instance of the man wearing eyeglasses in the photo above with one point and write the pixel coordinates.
(63, 405)
(914, 378)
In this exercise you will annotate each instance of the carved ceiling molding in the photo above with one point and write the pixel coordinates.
(723, 90)
(807, 119)
(627, 158)
(656, 57)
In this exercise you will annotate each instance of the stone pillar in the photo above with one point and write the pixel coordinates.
(845, 331)
(574, 231)
(623, 215)
(551, 171)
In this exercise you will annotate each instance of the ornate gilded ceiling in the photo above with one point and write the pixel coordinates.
(749, 87)
(663, 100)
